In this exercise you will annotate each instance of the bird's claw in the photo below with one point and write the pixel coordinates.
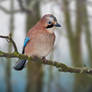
(44, 60)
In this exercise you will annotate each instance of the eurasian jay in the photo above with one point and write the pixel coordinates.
(39, 40)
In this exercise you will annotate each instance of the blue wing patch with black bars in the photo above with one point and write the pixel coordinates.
(25, 43)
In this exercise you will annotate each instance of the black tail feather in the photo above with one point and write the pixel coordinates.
(20, 65)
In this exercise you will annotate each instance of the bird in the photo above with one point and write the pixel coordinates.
(39, 40)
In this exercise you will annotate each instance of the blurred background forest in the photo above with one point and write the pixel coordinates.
(73, 45)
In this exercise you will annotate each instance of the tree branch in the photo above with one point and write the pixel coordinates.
(24, 9)
(89, 3)
(60, 66)
(11, 40)
(2, 1)
(8, 11)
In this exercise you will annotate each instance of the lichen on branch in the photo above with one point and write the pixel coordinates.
(60, 66)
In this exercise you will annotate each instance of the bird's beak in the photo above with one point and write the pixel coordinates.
(57, 25)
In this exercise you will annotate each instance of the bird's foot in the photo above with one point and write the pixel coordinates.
(44, 60)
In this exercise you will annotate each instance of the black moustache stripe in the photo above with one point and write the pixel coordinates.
(50, 26)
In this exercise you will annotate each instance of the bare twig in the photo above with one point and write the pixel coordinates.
(8, 11)
(11, 40)
(89, 3)
(24, 9)
(2, 1)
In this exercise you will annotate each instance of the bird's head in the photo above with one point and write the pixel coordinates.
(49, 22)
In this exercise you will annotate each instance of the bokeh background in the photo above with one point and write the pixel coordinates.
(73, 45)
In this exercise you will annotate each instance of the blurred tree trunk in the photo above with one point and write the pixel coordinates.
(74, 39)
(50, 74)
(81, 80)
(78, 31)
(87, 33)
(34, 70)
(79, 25)
(8, 63)
(69, 28)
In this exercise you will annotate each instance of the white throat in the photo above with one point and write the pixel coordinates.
(51, 30)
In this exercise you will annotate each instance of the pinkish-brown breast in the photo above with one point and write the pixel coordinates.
(41, 42)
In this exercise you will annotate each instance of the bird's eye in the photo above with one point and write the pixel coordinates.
(49, 22)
